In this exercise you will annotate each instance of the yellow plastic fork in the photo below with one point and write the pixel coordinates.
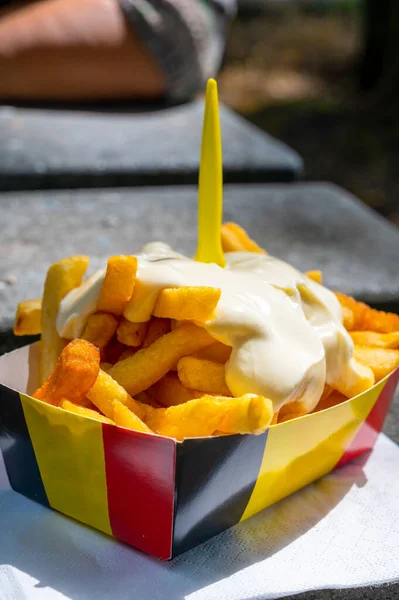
(210, 185)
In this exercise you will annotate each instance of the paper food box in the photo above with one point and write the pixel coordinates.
(162, 496)
(157, 494)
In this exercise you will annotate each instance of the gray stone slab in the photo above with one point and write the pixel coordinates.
(310, 225)
(388, 591)
(48, 149)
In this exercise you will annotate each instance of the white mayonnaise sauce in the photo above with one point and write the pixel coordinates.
(285, 330)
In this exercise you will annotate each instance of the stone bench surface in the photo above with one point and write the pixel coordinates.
(312, 226)
(47, 149)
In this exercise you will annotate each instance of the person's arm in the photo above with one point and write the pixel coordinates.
(74, 50)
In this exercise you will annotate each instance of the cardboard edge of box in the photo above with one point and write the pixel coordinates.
(156, 494)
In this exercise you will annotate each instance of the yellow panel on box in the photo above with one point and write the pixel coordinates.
(298, 452)
(70, 455)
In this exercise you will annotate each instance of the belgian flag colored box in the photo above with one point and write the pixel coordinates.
(154, 493)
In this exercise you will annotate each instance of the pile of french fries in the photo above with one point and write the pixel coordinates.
(167, 375)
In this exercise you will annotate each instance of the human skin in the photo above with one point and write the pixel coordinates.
(74, 50)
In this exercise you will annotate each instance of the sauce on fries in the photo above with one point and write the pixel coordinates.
(285, 330)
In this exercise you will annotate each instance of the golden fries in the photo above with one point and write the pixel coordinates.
(62, 277)
(105, 366)
(217, 352)
(367, 318)
(372, 338)
(118, 285)
(274, 420)
(169, 391)
(142, 335)
(330, 400)
(131, 334)
(149, 365)
(100, 328)
(187, 303)
(86, 403)
(357, 380)
(203, 375)
(348, 318)
(204, 416)
(84, 412)
(74, 374)
(104, 391)
(130, 350)
(28, 317)
(112, 351)
(380, 360)
(156, 329)
(291, 410)
(316, 276)
(236, 239)
(138, 310)
(146, 398)
(126, 418)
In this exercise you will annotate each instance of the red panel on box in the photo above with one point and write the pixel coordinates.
(368, 432)
(140, 471)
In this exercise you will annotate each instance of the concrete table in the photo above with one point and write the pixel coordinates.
(47, 149)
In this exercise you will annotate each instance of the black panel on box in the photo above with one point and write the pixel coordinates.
(215, 478)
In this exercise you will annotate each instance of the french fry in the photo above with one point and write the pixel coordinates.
(169, 391)
(348, 318)
(126, 418)
(156, 329)
(130, 350)
(112, 351)
(141, 304)
(62, 277)
(149, 365)
(274, 420)
(203, 375)
(328, 390)
(84, 412)
(28, 317)
(381, 361)
(74, 374)
(100, 328)
(203, 416)
(377, 320)
(104, 391)
(146, 398)
(217, 352)
(118, 285)
(131, 334)
(86, 403)
(187, 303)
(105, 366)
(367, 318)
(372, 338)
(356, 380)
(330, 400)
(236, 239)
(316, 276)
(291, 410)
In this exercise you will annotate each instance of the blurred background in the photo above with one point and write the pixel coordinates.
(320, 75)
(323, 76)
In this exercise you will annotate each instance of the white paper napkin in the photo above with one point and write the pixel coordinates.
(341, 531)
